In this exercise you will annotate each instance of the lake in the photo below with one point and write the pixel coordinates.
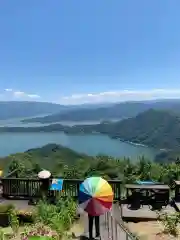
(88, 144)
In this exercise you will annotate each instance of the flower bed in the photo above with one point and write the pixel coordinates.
(39, 230)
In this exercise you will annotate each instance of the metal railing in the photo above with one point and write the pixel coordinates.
(116, 229)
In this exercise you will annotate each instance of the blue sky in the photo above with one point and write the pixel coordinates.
(89, 51)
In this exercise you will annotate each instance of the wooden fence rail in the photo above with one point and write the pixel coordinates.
(31, 188)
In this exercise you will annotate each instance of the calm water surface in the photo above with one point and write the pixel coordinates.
(88, 144)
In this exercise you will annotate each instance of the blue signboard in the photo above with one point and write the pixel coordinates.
(146, 182)
(57, 184)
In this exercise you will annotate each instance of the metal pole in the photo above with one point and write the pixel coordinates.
(112, 228)
(126, 236)
(105, 219)
(116, 233)
(108, 224)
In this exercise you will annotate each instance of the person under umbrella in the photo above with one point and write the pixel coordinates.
(97, 226)
(96, 198)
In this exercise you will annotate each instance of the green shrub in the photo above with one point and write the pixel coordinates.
(170, 222)
(59, 217)
(14, 221)
(5, 208)
(1, 234)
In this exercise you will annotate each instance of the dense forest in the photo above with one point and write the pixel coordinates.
(64, 162)
(154, 128)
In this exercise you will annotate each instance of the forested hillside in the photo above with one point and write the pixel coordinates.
(64, 162)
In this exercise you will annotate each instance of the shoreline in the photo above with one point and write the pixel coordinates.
(129, 142)
(76, 133)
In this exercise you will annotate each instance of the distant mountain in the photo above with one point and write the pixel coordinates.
(21, 109)
(25, 109)
(108, 112)
(92, 105)
(115, 111)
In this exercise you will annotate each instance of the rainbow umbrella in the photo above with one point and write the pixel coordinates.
(95, 196)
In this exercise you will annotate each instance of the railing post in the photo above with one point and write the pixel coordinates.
(109, 225)
(120, 208)
(105, 219)
(111, 229)
(126, 236)
(116, 231)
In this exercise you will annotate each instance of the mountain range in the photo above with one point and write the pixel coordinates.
(108, 112)
(25, 109)
(52, 112)
(22, 109)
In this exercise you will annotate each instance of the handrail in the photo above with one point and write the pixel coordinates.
(116, 229)
(69, 180)
(130, 235)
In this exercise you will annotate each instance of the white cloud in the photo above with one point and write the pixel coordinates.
(20, 94)
(101, 97)
(33, 96)
(120, 96)
(8, 90)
